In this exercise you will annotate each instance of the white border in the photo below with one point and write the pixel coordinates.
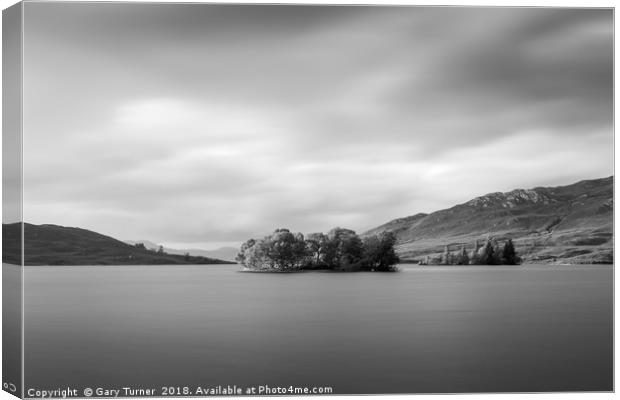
(505, 3)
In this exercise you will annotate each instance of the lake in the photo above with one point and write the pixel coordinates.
(424, 329)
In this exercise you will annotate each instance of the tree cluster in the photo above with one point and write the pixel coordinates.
(141, 246)
(340, 249)
(490, 253)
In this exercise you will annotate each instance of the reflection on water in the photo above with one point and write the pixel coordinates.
(425, 329)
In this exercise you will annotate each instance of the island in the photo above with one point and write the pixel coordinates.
(339, 250)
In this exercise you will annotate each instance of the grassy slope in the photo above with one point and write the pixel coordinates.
(572, 224)
(59, 245)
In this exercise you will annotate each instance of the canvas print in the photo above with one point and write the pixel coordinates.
(205, 199)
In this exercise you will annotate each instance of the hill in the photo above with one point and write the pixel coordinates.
(222, 253)
(59, 245)
(565, 224)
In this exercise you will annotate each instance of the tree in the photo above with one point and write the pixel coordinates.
(347, 249)
(255, 257)
(379, 253)
(242, 255)
(488, 256)
(350, 252)
(317, 246)
(509, 254)
(372, 252)
(160, 250)
(287, 251)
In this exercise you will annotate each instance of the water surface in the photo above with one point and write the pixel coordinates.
(424, 329)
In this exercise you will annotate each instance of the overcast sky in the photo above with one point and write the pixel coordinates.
(204, 125)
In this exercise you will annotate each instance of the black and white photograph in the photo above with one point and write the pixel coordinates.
(234, 199)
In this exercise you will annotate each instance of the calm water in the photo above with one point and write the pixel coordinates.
(425, 329)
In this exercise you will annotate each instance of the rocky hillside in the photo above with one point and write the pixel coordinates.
(60, 245)
(565, 224)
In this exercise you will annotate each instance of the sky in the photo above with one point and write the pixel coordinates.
(203, 125)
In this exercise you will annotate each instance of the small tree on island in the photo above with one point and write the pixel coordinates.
(316, 246)
(348, 249)
(286, 250)
(244, 250)
(379, 252)
(253, 256)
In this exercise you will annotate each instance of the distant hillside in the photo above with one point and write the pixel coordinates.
(59, 245)
(398, 225)
(222, 253)
(565, 224)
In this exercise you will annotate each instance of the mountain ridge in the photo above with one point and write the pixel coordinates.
(571, 223)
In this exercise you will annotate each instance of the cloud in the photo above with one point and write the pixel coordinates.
(198, 124)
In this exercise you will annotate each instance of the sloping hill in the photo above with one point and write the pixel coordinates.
(59, 245)
(572, 224)
(398, 225)
(222, 253)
